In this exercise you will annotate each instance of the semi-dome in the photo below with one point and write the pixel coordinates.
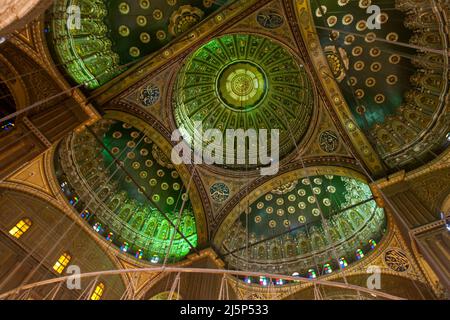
(111, 34)
(286, 231)
(391, 75)
(136, 207)
(243, 81)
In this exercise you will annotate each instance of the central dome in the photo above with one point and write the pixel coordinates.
(243, 81)
(242, 86)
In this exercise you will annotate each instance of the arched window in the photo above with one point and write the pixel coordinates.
(312, 274)
(327, 268)
(62, 262)
(372, 244)
(359, 254)
(98, 292)
(20, 228)
(343, 262)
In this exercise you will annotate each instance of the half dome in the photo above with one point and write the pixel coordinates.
(286, 233)
(136, 206)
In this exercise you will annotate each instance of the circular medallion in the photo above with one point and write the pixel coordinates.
(328, 141)
(397, 260)
(144, 4)
(124, 31)
(219, 192)
(270, 19)
(242, 86)
(150, 95)
(124, 8)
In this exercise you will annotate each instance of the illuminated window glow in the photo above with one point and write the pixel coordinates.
(20, 228)
(85, 214)
(97, 227)
(98, 292)
(359, 254)
(327, 268)
(312, 274)
(125, 247)
(62, 263)
(74, 200)
(263, 281)
(343, 263)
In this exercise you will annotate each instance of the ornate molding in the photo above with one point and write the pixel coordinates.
(363, 148)
(154, 63)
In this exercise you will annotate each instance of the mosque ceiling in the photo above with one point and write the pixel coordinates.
(394, 76)
(355, 98)
(113, 34)
(283, 229)
(139, 198)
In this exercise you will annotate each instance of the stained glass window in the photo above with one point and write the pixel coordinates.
(125, 247)
(263, 281)
(109, 237)
(139, 254)
(327, 268)
(20, 228)
(98, 292)
(97, 227)
(62, 263)
(85, 214)
(359, 254)
(312, 274)
(372, 244)
(343, 263)
(74, 200)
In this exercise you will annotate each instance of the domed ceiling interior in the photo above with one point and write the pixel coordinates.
(393, 89)
(115, 33)
(109, 199)
(308, 226)
(285, 232)
(242, 81)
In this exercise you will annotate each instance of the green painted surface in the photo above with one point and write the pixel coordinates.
(354, 12)
(285, 228)
(244, 81)
(132, 217)
(114, 33)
